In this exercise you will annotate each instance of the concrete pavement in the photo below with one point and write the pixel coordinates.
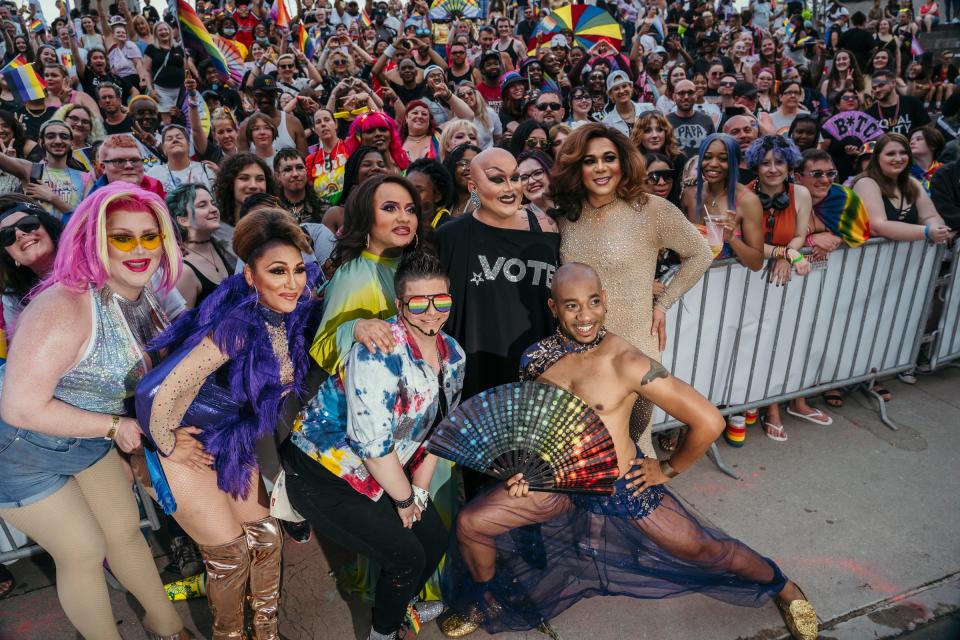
(865, 519)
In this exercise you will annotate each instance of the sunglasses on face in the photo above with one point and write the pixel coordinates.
(287, 66)
(533, 143)
(125, 243)
(581, 96)
(849, 98)
(728, 84)
(26, 224)
(552, 106)
(666, 175)
(817, 175)
(418, 305)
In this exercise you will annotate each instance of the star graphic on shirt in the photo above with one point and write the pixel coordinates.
(477, 279)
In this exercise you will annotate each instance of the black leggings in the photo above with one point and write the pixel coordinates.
(407, 557)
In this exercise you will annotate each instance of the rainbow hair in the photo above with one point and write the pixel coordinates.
(365, 122)
(82, 257)
(733, 168)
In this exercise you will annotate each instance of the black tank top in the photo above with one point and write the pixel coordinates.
(206, 284)
(908, 214)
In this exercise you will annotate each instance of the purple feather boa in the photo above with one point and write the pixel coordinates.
(235, 321)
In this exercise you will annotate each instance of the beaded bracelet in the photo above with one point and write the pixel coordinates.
(404, 504)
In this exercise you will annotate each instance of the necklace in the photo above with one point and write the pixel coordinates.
(212, 262)
(34, 114)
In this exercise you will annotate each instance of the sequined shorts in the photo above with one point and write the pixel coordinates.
(622, 503)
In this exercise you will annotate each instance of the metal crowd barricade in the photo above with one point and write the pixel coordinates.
(744, 343)
(151, 520)
(945, 346)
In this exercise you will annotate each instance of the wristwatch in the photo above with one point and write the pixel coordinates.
(114, 426)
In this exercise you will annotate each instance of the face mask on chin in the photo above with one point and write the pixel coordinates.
(229, 33)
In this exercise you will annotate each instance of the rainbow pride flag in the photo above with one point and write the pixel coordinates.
(306, 43)
(365, 20)
(193, 32)
(915, 49)
(23, 80)
(843, 212)
(36, 25)
(279, 15)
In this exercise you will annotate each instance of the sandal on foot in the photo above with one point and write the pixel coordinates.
(7, 582)
(882, 391)
(834, 398)
(816, 417)
(800, 618)
(774, 431)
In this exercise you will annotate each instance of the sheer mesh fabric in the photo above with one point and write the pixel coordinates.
(94, 516)
(585, 548)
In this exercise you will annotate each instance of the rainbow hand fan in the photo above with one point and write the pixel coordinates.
(550, 436)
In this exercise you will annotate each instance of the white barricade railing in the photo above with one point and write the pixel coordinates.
(946, 344)
(743, 343)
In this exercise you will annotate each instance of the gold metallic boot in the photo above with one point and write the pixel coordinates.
(800, 618)
(265, 542)
(228, 569)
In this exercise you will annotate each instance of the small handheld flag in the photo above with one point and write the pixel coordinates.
(23, 80)
(915, 49)
(193, 32)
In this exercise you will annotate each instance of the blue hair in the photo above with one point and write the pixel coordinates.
(733, 168)
(783, 149)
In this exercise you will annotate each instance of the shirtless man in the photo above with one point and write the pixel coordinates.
(676, 554)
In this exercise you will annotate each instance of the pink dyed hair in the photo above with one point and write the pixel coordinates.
(367, 121)
(82, 257)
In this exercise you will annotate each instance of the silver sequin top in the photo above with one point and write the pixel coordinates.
(114, 360)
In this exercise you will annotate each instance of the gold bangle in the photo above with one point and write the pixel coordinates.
(114, 426)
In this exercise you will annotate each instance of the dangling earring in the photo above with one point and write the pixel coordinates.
(17, 262)
(475, 199)
(416, 241)
(368, 241)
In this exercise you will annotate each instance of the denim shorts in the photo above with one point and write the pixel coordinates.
(35, 465)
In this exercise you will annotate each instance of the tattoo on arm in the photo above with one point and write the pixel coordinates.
(656, 371)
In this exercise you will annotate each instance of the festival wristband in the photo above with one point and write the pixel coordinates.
(926, 231)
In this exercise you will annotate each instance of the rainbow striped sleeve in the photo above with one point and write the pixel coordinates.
(843, 212)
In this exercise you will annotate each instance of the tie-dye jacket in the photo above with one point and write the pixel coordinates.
(380, 402)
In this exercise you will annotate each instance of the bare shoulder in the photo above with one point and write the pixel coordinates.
(634, 364)
(57, 308)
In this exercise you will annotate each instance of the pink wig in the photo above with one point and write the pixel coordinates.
(82, 257)
(375, 120)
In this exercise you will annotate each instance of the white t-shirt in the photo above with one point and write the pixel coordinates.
(65, 56)
(196, 173)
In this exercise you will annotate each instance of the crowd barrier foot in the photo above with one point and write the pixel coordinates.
(714, 453)
(867, 389)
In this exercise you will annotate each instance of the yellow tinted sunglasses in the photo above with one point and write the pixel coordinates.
(125, 243)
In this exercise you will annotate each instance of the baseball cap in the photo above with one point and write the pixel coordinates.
(115, 20)
(265, 83)
(617, 78)
(489, 54)
(744, 90)
(559, 41)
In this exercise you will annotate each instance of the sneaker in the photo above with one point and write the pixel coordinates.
(907, 377)
(299, 532)
(186, 556)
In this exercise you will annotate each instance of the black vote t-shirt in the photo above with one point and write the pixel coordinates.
(500, 281)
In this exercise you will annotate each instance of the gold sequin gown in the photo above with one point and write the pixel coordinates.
(621, 240)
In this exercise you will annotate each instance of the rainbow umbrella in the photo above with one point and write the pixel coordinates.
(448, 9)
(588, 24)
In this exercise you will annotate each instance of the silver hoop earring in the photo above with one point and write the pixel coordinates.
(475, 199)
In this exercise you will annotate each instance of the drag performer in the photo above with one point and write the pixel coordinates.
(608, 221)
(79, 351)
(356, 468)
(640, 541)
(233, 360)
